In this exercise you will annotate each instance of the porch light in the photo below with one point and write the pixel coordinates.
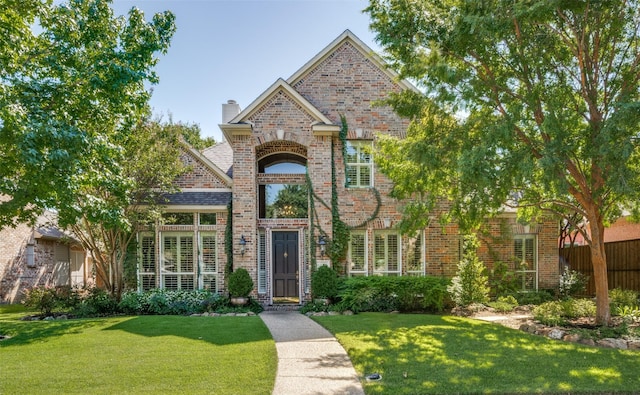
(243, 245)
(322, 244)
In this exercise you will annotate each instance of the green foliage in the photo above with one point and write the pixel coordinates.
(393, 294)
(45, 299)
(504, 303)
(470, 284)
(324, 283)
(72, 87)
(559, 312)
(228, 240)
(572, 283)
(620, 298)
(97, 302)
(192, 134)
(502, 280)
(629, 314)
(533, 104)
(292, 201)
(240, 283)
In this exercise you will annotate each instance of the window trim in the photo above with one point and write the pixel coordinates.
(387, 272)
(423, 265)
(359, 145)
(521, 273)
(365, 270)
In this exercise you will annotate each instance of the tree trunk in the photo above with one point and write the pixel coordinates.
(599, 263)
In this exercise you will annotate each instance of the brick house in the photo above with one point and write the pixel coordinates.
(288, 169)
(40, 255)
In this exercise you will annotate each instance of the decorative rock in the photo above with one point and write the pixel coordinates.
(633, 344)
(63, 317)
(572, 337)
(347, 312)
(612, 343)
(214, 314)
(197, 315)
(230, 315)
(242, 315)
(556, 334)
(49, 318)
(587, 342)
(529, 328)
(251, 314)
(334, 313)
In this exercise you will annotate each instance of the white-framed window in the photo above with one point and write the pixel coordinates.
(414, 262)
(359, 164)
(357, 255)
(387, 253)
(147, 261)
(209, 261)
(262, 262)
(525, 250)
(177, 268)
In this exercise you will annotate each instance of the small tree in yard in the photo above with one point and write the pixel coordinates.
(470, 284)
(535, 104)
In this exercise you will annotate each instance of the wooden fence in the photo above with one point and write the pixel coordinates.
(623, 264)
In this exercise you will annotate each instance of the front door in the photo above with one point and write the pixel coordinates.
(285, 265)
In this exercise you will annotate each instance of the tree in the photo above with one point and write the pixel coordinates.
(150, 163)
(72, 89)
(192, 134)
(528, 103)
(292, 201)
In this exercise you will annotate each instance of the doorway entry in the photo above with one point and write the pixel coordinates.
(285, 267)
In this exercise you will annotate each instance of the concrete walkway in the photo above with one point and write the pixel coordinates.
(310, 359)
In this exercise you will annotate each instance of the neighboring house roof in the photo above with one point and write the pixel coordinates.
(221, 155)
(199, 198)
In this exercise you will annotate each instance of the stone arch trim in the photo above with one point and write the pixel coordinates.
(278, 147)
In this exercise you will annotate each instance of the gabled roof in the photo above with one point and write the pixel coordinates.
(363, 48)
(281, 85)
(208, 163)
(221, 155)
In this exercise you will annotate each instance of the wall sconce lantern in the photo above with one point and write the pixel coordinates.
(323, 245)
(243, 245)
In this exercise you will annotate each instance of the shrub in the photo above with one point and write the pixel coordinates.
(629, 315)
(324, 283)
(240, 283)
(393, 293)
(98, 302)
(470, 284)
(572, 283)
(559, 312)
(622, 297)
(550, 313)
(42, 298)
(504, 303)
(503, 281)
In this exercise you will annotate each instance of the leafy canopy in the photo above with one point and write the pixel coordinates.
(529, 102)
(72, 88)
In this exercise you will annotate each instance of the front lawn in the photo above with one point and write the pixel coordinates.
(141, 354)
(421, 354)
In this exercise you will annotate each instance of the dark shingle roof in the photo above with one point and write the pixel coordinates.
(198, 198)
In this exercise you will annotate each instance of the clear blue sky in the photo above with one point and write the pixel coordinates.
(235, 49)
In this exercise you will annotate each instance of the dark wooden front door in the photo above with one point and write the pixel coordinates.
(285, 264)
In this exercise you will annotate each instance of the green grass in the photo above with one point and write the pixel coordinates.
(445, 354)
(134, 355)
